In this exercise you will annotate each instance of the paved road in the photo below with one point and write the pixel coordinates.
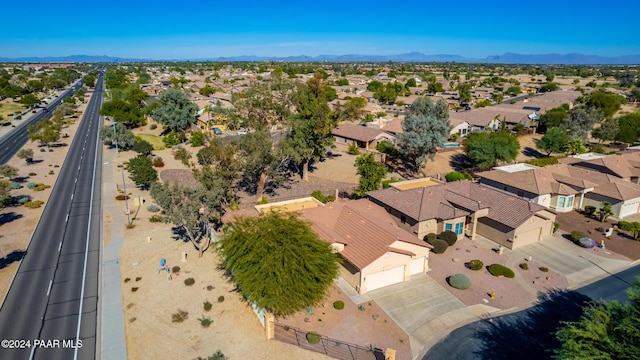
(529, 333)
(58, 278)
(12, 142)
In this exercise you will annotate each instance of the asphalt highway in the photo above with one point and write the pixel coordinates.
(50, 311)
(12, 142)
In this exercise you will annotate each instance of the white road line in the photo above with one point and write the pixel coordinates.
(49, 289)
(60, 246)
(71, 196)
(67, 219)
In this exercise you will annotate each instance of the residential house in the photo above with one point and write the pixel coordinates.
(364, 136)
(466, 208)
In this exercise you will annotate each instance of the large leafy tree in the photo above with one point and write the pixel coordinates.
(629, 127)
(606, 103)
(553, 117)
(464, 90)
(277, 262)
(554, 141)
(29, 100)
(606, 330)
(424, 129)
(142, 171)
(310, 135)
(123, 111)
(123, 136)
(175, 110)
(487, 149)
(607, 131)
(371, 173)
(46, 131)
(262, 162)
(579, 122)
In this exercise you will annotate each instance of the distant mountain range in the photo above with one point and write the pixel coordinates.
(507, 58)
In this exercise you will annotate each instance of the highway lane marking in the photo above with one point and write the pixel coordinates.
(72, 194)
(66, 220)
(49, 289)
(60, 246)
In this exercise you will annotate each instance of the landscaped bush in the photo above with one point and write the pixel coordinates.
(543, 269)
(460, 281)
(31, 185)
(313, 338)
(543, 161)
(498, 270)
(175, 269)
(475, 264)
(589, 210)
(430, 237)
(15, 185)
(353, 149)
(32, 174)
(524, 266)
(318, 195)
(221, 298)
(454, 176)
(439, 246)
(600, 229)
(33, 204)
(153, 208)
(23, 200)
(338, 305)
(205, 321)
(449, 236)
(586, 242)
(207, 305)
(41, 187)
(555, 227)
(386, 183)
(180, 316)
(122, 197)
(157, 162)
(153, 126)
(189, 281)
(577, 235)
(155, 219)
(263, 200)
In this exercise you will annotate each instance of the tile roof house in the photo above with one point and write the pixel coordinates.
(575, 183)
(376, 252)
(364, 136)
(467, 208)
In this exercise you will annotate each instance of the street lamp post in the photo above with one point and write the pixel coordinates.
(124, 187)
(115, 135)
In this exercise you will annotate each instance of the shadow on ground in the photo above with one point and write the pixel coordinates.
(9, 217)
(529, 334)
(529, 151)
(12, 257)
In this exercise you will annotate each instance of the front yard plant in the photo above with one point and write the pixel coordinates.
(460, 281)
(524, 266)
(338, 305)
(450, 237)
(577, 235)
(475, 264)
(501, 270)
(439, 246)
(180, 316)
(313, 338)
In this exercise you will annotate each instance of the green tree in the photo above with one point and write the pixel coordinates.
(29, 100)
(35, 85)
(142, 171)
(604, 211)
(607, 103)
(371, 173)
(8, 171)
(607, 131)
(206, 90)
(575, 146)
(513, 90)
(135, 95)
(464, 91)
(90, 80)
(579, 122)
(487, 149)
(435, 87)
(411, 83)
(375, 85)
(277, 262)
(554, 141)
(197, 138)
(354, 108)
(183, 155)
(632, 227)
(425, 128)
(173, 138)
(123, 136)
(310, 134)
(629, 127)
(5, 191)
(46, 131)
(262, 162)
(175, 111)
(553, 118)
(142, 147)
(123, 112)
(26, 155)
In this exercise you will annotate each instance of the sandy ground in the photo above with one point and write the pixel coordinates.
(18, 222)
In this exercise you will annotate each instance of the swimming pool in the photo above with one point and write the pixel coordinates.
(451, 144)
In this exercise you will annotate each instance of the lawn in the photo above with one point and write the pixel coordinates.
(8, 107)
(154, 140)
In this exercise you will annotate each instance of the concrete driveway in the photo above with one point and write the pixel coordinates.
(424, 309)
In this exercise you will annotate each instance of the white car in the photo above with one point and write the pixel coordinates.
(242, 132)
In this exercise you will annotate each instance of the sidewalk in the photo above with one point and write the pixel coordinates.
(113, 341)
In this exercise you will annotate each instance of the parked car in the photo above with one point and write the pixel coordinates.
(242, 132)
(217, 131)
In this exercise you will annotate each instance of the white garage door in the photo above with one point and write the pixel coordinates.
(385, 278)
(527, 237)
(629, 208)
(416, 266)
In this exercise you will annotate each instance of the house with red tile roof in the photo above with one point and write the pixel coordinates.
(364, 136)
(467, 208)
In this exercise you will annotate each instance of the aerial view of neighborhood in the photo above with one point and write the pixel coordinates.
(224, 190)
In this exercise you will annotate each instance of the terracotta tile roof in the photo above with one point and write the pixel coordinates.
(463, 196)
(366, 229)
(539, 181)
(395, 125)
(357, 132)
(619, 190)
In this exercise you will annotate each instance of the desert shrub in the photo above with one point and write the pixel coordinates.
(386, 183)
(475, 264)
(543, 269)
(32, 174)
(122, 197)
(577, 235)
(589, 210)
(586, 242)
(205, 321)
(543, 161)
(157, 162)
(130, 226)
(338, 305)
(155, 219)
(44, 150)
(430, 237)
(51, 172)
(599, 229)
(318, 195)
(524, 266)
(555, 227)
(197, 138)
(153, 208)
(153, 126)
(449, 236)
(207, 305)
(189, 281)
(221, 298)
(134, 289)
(353, 149)
(459, 281)
(15, 185)
(175, 269)
(313, 338)
(33, 204)
(41, 187)
(439, 246)
(180, 316)
(498, 270)
(23, 200)
(454, 176)
(31, 185)
(263, 200)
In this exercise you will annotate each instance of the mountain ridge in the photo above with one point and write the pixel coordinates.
(506, 58)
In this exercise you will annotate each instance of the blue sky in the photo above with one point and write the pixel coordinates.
(197, 29)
